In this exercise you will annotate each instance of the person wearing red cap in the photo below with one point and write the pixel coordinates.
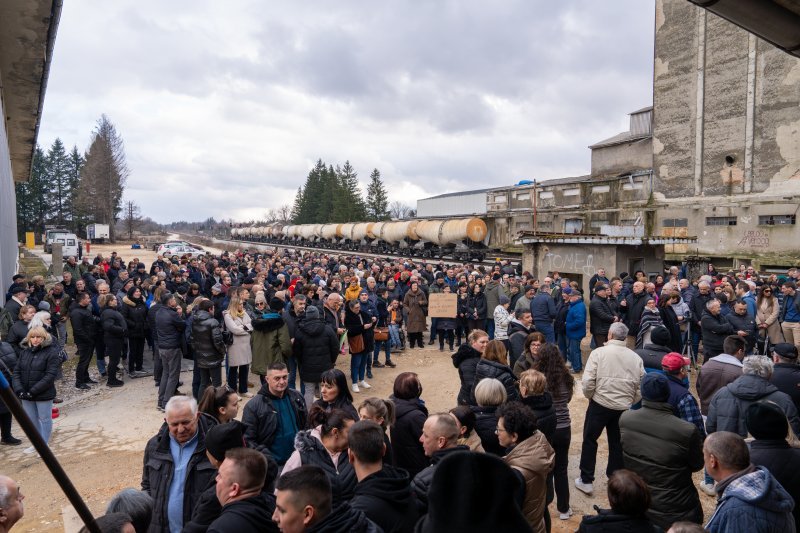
(684, 405)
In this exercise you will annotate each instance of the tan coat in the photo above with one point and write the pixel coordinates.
(416, 314)
(534, 459)
(769, 315)
(239, 353)
(473, 441)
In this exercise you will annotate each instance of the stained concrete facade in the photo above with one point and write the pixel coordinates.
(726, 138)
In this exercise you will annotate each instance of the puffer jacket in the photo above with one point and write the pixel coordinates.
(517, 333)
(477, 306)
(316, 349)
(613, 376)
(135, 314)
(753, 502)
(492, 369)
(84, 324)
(465, 360)
(8, 361)
(545, 411)
(501, 321)
(783, 462)
(729, 405)
(37, 369)
(422, 481)
(342, 475)
(486, 428)
(533, 458)
(159, 469)
(209, 348)
(651, 355)
(270, 342)
(17, 334)
(169, 328)
(664, 450)
(410, 416)
(115, 329)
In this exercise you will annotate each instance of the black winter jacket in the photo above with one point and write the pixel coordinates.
(744, 323)
(209, 348)
(356, 327)
(8, 361)
(786, 377)
(652, 354)
(601, 314)
(492, 369)
(341, 475)
(606, 521)
(115, 329)
(697, 306)
(486, 426)
(422, 481)
(261, 418)
(783, 462)
(545, 412)
(410, 415)
(152, 313)
(169, 328)
(159, 469)
(345, 518)
(476, 304)
(714, 331)
(245, 516)
(37, 369)
(17, 334)
(387, 499)
(465, 360)
(135, 313)
(517, 333)
(341, 403)
(315, 348)
(84, 324)
(633, 311)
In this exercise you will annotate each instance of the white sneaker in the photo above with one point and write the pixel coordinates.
(355, 387)
(29, 450)
(365, 385)
(565, 516)
(586, 488)
(569, 365)
(708, 488)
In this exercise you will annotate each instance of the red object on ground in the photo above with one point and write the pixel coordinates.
(88, 247)
(55, 412)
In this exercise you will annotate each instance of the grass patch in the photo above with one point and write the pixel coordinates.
(32, 266)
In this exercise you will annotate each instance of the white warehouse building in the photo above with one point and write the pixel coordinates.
(453, 204)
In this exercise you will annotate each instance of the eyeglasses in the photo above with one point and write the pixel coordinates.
(498, 430)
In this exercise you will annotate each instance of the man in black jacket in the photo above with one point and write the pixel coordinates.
(439, 438)
(714, 330)
(786, 373)
(518, 330)
(275, 415)
(179, 446)
(653, 354)
(315, 349)
(697, 307)
(209, 348)
(383, 492)
(742, 320)
(601, 314)
(239, 491)
(632, 308)
(169, 327)
(84, 331)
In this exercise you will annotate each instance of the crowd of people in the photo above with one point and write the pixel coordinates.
(320, 454)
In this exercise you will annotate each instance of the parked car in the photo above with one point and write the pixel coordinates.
(180, 250)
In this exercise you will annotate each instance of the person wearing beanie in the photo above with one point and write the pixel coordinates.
(768, 425)
(315, 348)
(664, 450)
(653, 353)
(473, 477)
(270, 339)
(684, 404)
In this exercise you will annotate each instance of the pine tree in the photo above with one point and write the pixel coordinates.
(33, 209)
(377, 202)
(76, 161)
(351, 194)
(59, 195)
(297, 207)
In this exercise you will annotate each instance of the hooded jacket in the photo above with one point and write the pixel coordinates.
(492, 369)
(84, 325)
(344, 518)
(542, 406)
(342, 476)
(135, 313)
(533, 458)
(652, 355)
(715, 374)
(244, 516)
(465, 360)
(753, 502)
(516, 342)
(209, 348)
(36, 370)
(270, 342)
(422, 481)
(729, 405)
(387, 499)
(316, 348)
(410, 416)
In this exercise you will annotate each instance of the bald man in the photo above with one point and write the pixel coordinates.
(11, 507)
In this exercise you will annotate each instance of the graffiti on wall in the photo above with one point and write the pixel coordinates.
(576, 262)
(755, 239)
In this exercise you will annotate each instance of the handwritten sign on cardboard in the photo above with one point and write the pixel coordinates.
(441, 305)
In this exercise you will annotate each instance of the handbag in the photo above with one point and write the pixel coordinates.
(356, 343)
(381, 334)
(227, 337)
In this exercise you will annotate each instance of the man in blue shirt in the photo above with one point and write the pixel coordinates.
(790, 314)
(176, 469)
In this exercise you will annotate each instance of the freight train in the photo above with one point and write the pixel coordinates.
(463, 239)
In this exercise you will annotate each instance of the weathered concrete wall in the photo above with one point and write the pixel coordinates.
(8, 213)
(621, 158)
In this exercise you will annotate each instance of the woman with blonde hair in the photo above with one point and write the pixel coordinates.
(35, 377)
(381, 412)
(494, 364)
(466, 359)
(240, 354)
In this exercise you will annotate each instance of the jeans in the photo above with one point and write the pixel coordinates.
(696, 341)
(291, 363)
(434, 323)
(208, 376)
(490, 328)
(377, 350)
(100, 352)
(574, 354)
(597, 419)
(171, 364)
(41, 414)
(394, 336)
(237, 378)
(358, 366)
(546, 329)
(561, 442)
(308, 393)
(61, 328)
(84, 358)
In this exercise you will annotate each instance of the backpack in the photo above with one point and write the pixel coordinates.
(6, 321)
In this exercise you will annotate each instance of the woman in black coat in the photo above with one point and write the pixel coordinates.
(19, 329)
(134, 311)
(494, 364)
(410, 416)
(115, 329)
(670, 320)
(8, 360)
(315, 349)
(466, 359)
(34, 379)
(462, 313)
(358, 324)
(476, 304)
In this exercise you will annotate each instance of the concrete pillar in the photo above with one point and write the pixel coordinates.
(57, 265)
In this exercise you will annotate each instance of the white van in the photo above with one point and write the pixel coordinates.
(50, 237)
(69, 244)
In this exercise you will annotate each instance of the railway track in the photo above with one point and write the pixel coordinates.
(515, 259)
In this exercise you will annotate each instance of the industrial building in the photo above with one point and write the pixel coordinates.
(27, 35)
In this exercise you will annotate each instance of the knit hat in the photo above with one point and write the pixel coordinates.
(217, 287)
(473, 477)
(44, 306)
(504, 299)
(785, 349)
(660, 336)
(766, 420)
(224, 437)
(674, 361)
(276, 304)
(312, 313)
(566, 290)
(655, 387)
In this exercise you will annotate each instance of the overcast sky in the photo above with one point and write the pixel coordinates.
(225, 106)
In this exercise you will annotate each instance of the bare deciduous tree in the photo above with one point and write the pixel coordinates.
(131, 218)
(399, 210)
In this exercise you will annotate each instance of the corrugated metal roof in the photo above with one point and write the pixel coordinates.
(620, 138)
(642, 110)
